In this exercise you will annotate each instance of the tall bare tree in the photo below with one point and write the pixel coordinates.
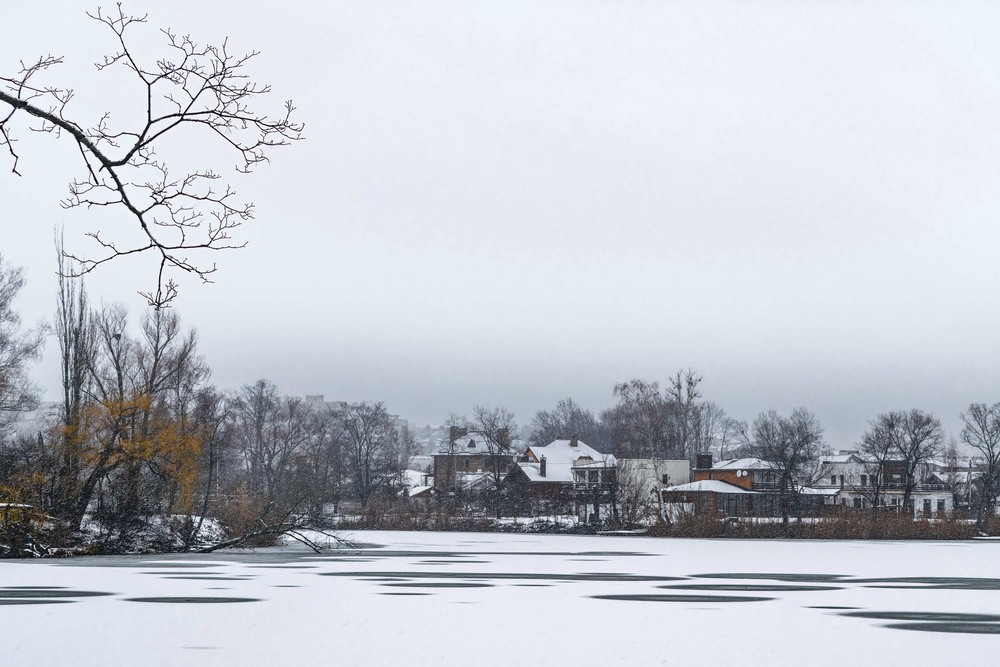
(919, 438)
(682, 396)
(982, 433)
(878, 447)
(639, 420)
(271, 431)
(19, 349)
(77, 348)
(202, 88)
(566, 420)
(371, 444)
(495, 426)
(790, 444)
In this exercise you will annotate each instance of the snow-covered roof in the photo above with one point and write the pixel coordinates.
(708, 485)
(414, 478)
(558, 472)
(842, 458)
(561, 456)
(813, 491)
(564, 451)
(743, 464)
(468, 444)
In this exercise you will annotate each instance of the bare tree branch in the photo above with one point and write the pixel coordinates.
(203, 87)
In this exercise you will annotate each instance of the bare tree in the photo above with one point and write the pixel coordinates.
(683, 395)
(789, 444)
(568, 419)
(19, 348)
(75, 333)
(198, 87)
(270, 431)
(639, 420)
(877, 449)
(714, 427)
(494, 426)
(982, 433)
(371, 445)
(919, 437)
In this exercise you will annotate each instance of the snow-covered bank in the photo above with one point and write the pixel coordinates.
(489, 599)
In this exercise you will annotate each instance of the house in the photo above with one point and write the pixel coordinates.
(470, 463)
(859, 483)
(736, 487)
(417, 485)
(653, 474)
(565, 476)
(749, 474)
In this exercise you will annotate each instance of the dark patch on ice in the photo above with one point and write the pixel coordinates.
(779, 576)
(830, 607)
(932, 616)
(32, 588)
(285, 586)
(438, 584)
(402, 593)
(383, 579)
(957, 628)
(750, 587)
(189, 599)
(29, 593)
(932, 583)
(284, 567)
(652, 597)
(207, 578)
(455, 562)
(481, 554)
(585, 576)
(20, 601)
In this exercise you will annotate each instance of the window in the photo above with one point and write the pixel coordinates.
(857, 503)
(940, 506)
(594, 476)
(833, 480)
(864, 480)
(666, 478)
(927, 505)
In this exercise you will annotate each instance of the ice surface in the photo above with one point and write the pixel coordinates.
(492, 599)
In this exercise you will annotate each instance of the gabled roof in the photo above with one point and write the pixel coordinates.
(563, 451)
(842, 458)
(558, 473)
(743, 464)
(561, 456)
(815, 491)
(467, 445)
(707, 486)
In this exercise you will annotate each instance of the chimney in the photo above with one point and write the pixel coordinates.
(541, 467)
(456, 432)
(573, 441)
(703, 462)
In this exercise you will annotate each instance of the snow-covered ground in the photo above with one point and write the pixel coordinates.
(491, 599)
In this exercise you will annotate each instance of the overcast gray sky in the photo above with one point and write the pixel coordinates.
(513, 202)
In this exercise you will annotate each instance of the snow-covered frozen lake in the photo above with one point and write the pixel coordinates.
(488, 599)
